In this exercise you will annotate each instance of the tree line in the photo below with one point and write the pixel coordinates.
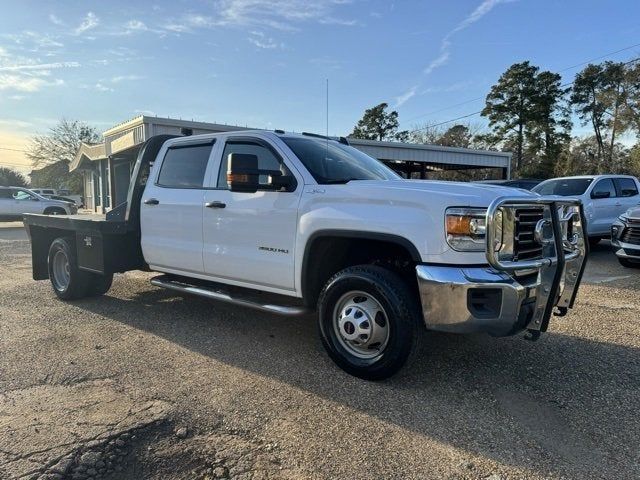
(531, 113)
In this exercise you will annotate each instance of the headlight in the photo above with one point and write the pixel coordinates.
(466, 229)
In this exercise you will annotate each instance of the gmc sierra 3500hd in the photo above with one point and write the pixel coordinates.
(291, 223)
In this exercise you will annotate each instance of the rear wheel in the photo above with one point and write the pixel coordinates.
(67, 280)
(368, 320)
(99, 284)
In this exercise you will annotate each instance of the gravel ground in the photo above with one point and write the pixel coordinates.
(143, 383)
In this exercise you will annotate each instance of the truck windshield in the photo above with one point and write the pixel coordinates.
(565, 187)
(332, 162)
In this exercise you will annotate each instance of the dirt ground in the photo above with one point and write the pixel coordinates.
(144, 383)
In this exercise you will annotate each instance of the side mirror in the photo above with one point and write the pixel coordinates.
(601, 194)
(242, 172)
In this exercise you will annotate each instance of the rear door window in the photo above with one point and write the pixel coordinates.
(626, 187)
(185, 166)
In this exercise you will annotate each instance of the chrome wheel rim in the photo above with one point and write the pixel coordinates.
(361, 325)
(61, 271)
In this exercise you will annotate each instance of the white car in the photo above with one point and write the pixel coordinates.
(605, 198)
(59, 194)
(625, 238)
(16, 201)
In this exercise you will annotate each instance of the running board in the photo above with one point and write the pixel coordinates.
(213, 293)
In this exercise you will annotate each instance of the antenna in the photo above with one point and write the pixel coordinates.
(327, 130)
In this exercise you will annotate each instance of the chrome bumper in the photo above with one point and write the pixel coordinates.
(625, 250)
(509, 296)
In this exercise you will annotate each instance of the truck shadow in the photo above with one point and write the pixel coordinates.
(538, 406)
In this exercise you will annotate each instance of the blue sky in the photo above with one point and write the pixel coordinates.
(263, 63)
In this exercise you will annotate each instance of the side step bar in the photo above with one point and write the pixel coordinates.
(170, 283)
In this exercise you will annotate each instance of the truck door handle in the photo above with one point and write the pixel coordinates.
(215, 204)
(151, 201)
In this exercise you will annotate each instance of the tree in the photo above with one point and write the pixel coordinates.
(599, 99)
(61, 143)
(11, 178)
(456, 136)
(54, 152)
(510, 105)
(378, 124)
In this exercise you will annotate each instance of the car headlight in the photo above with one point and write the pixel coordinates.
(466, 229)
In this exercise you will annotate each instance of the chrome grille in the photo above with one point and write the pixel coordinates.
(525, 246)
(631, 235)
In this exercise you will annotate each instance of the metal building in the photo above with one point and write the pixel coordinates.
(107, 166)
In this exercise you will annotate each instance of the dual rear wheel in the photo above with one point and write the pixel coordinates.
(67, 280)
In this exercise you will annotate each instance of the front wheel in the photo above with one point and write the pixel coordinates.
(368, 319)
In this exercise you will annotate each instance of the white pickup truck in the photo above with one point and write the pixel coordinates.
(292, 223)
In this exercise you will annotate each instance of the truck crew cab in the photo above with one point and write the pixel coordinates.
(291, 223)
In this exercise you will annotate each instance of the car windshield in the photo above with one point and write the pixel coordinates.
(332, 162)
(565, 187)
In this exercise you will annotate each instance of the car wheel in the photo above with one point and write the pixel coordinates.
(368, 319)
(68, 282)
(99, 284)
(628, 263)
(55, 211)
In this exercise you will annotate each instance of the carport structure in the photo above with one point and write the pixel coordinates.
(416, 160)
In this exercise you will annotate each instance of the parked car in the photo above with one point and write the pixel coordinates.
(625, 238)
(16, 201)
(290, 223)
(604, 197)
(524, 183)
(60, 194)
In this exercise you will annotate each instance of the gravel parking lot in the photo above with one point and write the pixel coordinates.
(143, 383)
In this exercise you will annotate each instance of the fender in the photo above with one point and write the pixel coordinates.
(359, 234)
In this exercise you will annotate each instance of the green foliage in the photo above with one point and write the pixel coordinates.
(378, 124)
(11, 178)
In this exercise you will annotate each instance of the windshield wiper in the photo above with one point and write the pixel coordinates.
(339, 181)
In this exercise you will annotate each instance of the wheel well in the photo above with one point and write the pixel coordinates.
(328, 254)
(41, 240)
(54, 209)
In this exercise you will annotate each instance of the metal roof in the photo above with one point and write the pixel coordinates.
(433, 154)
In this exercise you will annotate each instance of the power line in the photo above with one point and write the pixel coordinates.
(480, 111)
(558, 71)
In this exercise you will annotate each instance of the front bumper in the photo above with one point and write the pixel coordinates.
(622, 249)
(509, 296)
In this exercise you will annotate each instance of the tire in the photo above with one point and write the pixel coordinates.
(55, 211)
(628, 263)
(594, 241)
(368, 291)
(68, 282)
(99, 284)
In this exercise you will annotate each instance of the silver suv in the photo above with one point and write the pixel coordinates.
(16, 201)
(625, 238)
(604, 197)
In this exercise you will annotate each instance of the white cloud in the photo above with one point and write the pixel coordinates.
(20, 83)
(42, 67)
(402, 99)
(260, 40)
(122, 78)
(103, 88)
(90, 21)
(445, 46)
(55, 19)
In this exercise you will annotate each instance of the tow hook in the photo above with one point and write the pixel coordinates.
(532, 335)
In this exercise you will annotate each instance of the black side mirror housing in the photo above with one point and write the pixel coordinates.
(242, 172)
(601, 194)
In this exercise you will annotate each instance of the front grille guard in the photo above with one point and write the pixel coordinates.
(564, 256)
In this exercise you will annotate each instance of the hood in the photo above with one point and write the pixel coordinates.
(633, 213)
(462, 194)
